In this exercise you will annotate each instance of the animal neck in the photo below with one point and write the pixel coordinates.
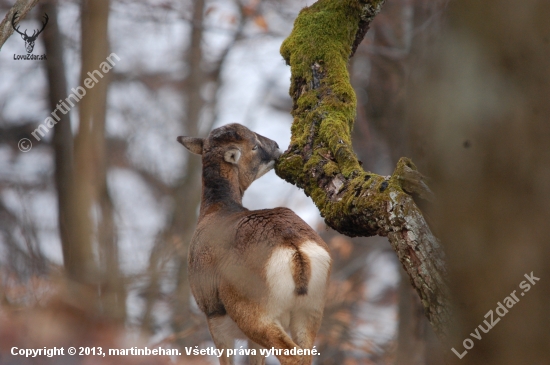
(220, 189)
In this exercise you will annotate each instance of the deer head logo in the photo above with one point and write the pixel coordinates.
(29, 40)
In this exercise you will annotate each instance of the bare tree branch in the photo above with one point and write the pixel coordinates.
(21, 7)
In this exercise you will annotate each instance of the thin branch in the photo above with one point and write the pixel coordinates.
(21, 7)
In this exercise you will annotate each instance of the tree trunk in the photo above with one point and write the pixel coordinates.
(88, 190)
(320, 158)
(88, 146)
(481, 99)
(183, 222)
(63, 136)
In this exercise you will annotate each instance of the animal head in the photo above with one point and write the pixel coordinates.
(29, 39)
(236, 148)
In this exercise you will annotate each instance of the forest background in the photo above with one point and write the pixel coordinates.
(461, 87)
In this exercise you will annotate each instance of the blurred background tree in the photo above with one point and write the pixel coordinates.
(95, 220)
(479, 108)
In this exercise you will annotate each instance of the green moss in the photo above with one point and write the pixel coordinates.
(290, 168)
(331, 169)
(322, 36)
(313, 161)
(318, 50)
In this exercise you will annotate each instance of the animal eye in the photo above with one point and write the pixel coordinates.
(255, 148)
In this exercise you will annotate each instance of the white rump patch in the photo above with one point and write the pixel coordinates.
(280, 281)
(319, 260)
(282, 298)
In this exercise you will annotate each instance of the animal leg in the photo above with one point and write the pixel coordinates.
(223, 337)
(304, 326)
(261, 329)
(257, 359)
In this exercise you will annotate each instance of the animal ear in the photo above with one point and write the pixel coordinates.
(232, 156)
(194, 145)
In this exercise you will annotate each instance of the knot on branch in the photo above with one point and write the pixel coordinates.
(369, 9)
(411, 180)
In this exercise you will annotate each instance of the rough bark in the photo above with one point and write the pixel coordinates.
(21, 7)
(411, 342)
(320, 158)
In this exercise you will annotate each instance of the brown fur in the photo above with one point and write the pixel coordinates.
(232, 247)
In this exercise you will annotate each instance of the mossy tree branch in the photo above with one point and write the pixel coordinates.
(320, 158)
